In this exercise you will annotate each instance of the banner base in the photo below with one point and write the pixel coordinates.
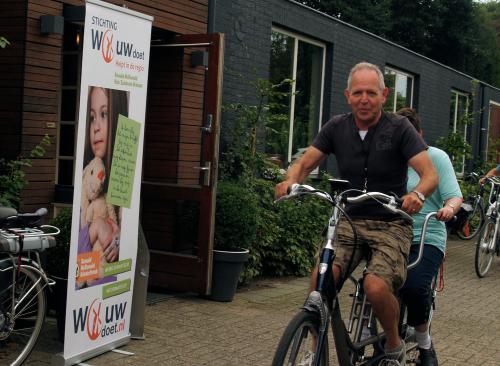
(60, 360)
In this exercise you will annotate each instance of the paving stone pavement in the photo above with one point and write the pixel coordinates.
(188, 330)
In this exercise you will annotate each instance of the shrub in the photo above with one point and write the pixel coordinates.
(288, 233)
(13, 178)
(235, 216)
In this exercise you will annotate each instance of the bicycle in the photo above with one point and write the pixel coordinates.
(308, 330)
(473, 212)
(23, 282)
(488, 243)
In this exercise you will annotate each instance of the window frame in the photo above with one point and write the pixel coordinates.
(74, 123)
(297, 37)
(484, 154)
(412, 91)
(458, 93)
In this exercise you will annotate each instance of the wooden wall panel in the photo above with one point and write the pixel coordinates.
(32, 77)
(12, 27)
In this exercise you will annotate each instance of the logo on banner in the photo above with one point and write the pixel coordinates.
(104, 40)
(98, 322)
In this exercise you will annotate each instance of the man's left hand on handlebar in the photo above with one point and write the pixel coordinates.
(411, 203)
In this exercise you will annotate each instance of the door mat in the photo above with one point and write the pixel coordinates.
(156, 297)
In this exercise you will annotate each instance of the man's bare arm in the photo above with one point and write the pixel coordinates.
(299, 171)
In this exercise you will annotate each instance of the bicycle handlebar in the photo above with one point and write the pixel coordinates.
(390, 203)
(422, 239)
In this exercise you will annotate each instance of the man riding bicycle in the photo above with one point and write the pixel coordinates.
(495, 172)
(373, 150)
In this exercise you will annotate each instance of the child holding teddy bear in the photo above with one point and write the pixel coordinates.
(99, 235)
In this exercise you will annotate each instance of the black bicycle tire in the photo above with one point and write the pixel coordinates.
(40, 318)
(299, 320)
(479, 248)
(472, 234)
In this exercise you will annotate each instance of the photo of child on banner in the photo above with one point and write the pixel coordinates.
(100, 220)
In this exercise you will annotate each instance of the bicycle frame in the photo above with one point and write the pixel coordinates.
(493, 211)
(23, 281)
(30, 264)
(323, 300)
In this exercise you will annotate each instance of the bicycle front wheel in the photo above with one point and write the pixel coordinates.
(473, 224)
(299, 341)
(21, 322)
(485, 249)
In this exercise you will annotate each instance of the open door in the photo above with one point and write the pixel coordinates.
(180, 161)
(493, 147)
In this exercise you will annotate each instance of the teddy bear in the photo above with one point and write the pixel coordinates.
(94, 206)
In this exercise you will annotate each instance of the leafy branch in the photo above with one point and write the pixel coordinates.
(12, 176)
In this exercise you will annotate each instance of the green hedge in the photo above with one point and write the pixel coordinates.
(282, 237)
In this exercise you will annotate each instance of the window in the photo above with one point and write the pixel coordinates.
(71, 63)
(459, 105)
(400, 86)
(302, 60)
(492, 152)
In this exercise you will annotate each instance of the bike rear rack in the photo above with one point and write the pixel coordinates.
(33, 238)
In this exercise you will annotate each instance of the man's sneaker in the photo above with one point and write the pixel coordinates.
(428, 356)
(307, 360)
(395, 358)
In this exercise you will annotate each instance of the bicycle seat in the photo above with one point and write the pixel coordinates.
(7, 212)
(14, 220)
(338, 185)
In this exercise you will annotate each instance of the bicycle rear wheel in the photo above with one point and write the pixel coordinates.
(299, 340)
(485, 249)
(19, 332)
(473, 224)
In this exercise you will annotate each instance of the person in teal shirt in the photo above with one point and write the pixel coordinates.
(446, 200)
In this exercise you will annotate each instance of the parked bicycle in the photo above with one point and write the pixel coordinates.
(22, 282)
(488, 243)
(470, 219)
(305, 340)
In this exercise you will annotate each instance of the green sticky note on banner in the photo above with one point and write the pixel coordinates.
(124, 161)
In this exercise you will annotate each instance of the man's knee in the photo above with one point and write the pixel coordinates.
(375, 287)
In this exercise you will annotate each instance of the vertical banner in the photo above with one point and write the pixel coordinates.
(107, 180)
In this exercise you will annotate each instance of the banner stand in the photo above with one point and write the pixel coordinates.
(105, 240)
(59, 360)
(140, 288)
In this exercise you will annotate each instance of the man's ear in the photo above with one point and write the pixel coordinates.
(347, 94)
(385, 93)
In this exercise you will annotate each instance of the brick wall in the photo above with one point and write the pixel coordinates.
(247, 25)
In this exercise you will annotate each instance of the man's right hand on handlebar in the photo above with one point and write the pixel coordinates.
(281, 189)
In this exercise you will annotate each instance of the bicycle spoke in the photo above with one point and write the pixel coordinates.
(23, 323)
(485, 249)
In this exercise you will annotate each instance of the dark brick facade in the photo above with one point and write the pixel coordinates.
(247, 25)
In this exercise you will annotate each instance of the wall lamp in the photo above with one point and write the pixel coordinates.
(51, 24)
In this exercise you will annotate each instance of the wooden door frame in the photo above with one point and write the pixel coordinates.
(205, 193)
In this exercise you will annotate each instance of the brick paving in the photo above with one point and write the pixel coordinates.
(188, 330)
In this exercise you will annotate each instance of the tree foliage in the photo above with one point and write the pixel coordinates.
(462, 34)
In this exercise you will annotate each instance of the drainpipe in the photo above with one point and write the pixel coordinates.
(211, 16)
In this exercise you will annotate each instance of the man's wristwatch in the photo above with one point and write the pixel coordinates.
(420, 196)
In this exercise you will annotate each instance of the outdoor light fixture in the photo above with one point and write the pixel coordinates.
(199, 58)
(51, 24)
